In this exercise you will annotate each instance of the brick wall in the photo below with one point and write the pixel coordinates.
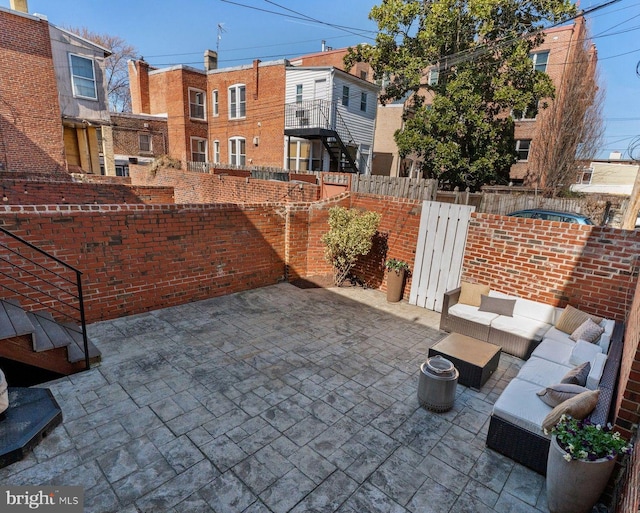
(193, 187)
(30, 119)
(127, 129)
(27, 192)
(148, 257)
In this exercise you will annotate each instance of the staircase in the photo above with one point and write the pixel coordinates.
(36, 339)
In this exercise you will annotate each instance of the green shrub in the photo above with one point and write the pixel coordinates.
(350, 236)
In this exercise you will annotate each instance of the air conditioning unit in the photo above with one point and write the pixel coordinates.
(302, 113)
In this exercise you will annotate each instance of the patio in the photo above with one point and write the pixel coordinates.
(273, 400)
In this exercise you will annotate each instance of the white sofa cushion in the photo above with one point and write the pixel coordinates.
(597, 368)
(520, 405)
(605, 338)
(521, 326)
(536, 311)
(542, 372)
(554, 350)
(583, 351)
(559, 336)
(471, 313)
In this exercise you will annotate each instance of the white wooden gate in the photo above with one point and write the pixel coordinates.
(441, 243)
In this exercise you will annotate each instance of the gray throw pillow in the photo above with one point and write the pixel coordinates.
(497, 305)
(578, 375)
(555, 394)
(588, 330)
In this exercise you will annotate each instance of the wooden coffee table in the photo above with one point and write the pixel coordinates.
(475, 360)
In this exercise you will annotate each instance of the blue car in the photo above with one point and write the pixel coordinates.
(552, 215)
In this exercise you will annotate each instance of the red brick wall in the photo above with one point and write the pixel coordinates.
(149, 257)
(193, 187)
(126, 134)
(30, 118)
(26, 192)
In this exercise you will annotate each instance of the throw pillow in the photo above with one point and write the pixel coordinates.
(497, 305)
(470, 293)
(572, 318)
(588, 330)
(556, 394)
(577, 375)
(578, 407)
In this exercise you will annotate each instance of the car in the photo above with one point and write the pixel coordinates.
(552, 215)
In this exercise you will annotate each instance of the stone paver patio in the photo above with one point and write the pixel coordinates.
(274, 400)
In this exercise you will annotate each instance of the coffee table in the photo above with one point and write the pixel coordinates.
(475, 359)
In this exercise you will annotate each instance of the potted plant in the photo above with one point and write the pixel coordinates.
(397, 270)
(581, 459)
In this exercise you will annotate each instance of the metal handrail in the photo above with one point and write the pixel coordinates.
(78, 283)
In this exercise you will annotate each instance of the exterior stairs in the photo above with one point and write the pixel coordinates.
(35, 338)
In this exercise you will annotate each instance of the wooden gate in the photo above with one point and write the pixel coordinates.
(441, 243)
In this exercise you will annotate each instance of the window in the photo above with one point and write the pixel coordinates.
(196, 104)
(144, 141)
(305, 155)
(434, 75)
(522, 148)
(345, 96)
(198, 149)
(540, 60)
(237, 155)
(215, 97)
(363, 102)
(584, 175)
(299, 93)
(216, 152)
(83, 77)
(363, 75)
(529, 113)
(237, 101)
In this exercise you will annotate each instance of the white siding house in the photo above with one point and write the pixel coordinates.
(330, 120)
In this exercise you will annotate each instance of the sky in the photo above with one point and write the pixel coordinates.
(168, 32)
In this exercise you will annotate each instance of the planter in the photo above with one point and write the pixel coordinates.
(575, 486)
(395, 285)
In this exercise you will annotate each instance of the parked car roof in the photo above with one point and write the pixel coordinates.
(552, 215)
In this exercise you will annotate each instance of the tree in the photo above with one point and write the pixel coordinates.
(466, 65)
(572, 127)
(117, 70)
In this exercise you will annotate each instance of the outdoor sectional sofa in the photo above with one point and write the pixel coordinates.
(530, 332)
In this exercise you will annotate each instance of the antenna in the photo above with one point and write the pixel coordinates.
(221, 31)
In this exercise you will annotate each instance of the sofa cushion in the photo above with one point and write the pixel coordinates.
(597, 368)
(559, 336)
(497, 305)
(470, 293)
(588, 330)
(525, 327)
(572, 318)
(519, 404)
(554, 351)
(577, 375)
(536, 311)
(471, 313)
(578, 407)
(583, 352)
(542, 372)
(605, 338)
(555, 394)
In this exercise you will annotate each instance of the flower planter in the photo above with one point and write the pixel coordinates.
(395, 285)
(575, 486)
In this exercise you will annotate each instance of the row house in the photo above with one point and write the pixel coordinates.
(554, 57)
(61, 122)
(264, 114)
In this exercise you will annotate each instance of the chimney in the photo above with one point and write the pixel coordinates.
(139, 87)
(210, 60)
(324, 46)
(19, 5)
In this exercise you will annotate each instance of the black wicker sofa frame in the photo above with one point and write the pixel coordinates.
(510, 343)
(531, 449)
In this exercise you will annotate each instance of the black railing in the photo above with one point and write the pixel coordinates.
(58, 293)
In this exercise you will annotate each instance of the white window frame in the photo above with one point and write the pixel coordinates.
(363, 101)
(534, 60)
(434, 76)
(198, 140)
(203, 96)
(299, 89)
(216, 152)
(345, 95)
(238, 109)
(585, 175)
(215, 99)
(148, 137)
(518, 150)
(236, 157)
(91, 80)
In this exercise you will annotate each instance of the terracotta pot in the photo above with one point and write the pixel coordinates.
(395, 284)
(575, 486)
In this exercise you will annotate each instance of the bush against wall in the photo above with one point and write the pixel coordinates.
(350, 236)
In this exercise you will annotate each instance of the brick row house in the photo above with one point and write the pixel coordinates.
(267, 114)
(554, 56)
(61, 123)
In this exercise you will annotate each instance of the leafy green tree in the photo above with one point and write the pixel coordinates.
(465, 65)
